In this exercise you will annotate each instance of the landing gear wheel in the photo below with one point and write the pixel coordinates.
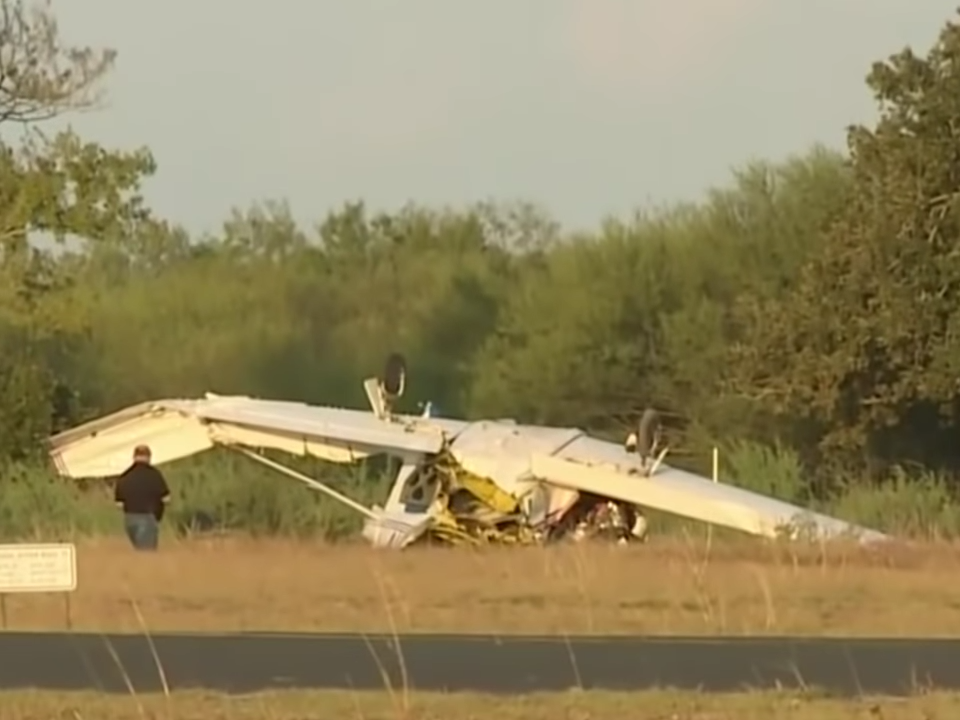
(649, 432)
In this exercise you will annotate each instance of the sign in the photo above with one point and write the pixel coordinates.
(40, 568)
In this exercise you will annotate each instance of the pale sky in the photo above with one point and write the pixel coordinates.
(587, 107)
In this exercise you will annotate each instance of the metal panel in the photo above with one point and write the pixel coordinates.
(111, 421)
(502, 451)
(107, 451)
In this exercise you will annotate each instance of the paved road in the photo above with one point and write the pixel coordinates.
(251, 662)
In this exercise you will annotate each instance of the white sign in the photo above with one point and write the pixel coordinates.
(47, 567)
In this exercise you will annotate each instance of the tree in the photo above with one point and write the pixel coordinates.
(603, 326)
(50, 189)
(866, 350)
(40, 78)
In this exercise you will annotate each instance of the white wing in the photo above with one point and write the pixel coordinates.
(175, 429)
(605, 469)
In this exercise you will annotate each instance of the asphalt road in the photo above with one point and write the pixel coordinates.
(252, 662)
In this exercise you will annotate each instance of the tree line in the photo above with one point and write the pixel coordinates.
(811, 304)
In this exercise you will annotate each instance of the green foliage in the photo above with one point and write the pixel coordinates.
(866, 342)
(804, 317)
(771, 470)
(216, 493)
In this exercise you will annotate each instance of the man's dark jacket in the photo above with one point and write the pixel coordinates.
(141, 490)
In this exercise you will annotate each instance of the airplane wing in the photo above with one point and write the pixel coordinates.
(606, 469)
(178, 428)
(514, 458)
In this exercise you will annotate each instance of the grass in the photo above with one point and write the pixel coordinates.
(668, 586)
(340, 705)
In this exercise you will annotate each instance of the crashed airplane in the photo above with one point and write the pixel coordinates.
(459, 481)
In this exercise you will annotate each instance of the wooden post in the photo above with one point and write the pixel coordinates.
(3, 610)
(68, 614)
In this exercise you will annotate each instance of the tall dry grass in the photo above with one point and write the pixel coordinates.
(691, 585)
(572, 705)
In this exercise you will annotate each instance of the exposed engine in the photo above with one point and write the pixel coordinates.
(595, 517)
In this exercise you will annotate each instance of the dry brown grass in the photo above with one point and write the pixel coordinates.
(559, 706)
(665, 587)
(380, 706)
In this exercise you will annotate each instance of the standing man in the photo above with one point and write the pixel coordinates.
(142, 493)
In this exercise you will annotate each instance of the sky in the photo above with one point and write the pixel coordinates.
(588, 108)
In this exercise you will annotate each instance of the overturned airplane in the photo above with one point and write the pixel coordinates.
(459, 481)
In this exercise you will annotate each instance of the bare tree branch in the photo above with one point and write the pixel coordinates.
(40, 77)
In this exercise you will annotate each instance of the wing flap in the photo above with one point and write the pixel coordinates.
(104, 448)
(324, 449)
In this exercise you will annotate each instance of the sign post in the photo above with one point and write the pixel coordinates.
(37, 568)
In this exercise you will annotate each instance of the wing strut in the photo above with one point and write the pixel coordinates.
(315, 484)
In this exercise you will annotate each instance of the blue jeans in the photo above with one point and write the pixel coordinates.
(142, 530)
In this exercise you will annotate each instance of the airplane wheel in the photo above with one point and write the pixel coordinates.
(640, 528)
(648, 432)
(394, 375)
